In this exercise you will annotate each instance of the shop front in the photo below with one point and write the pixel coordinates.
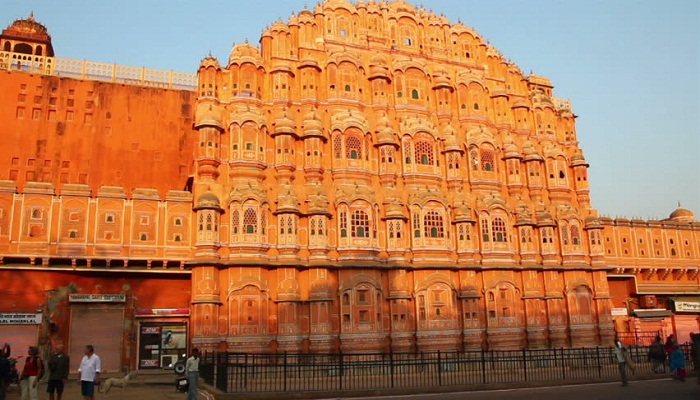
(686, 316)
(98, 320)
(19, 330)
(163, 337)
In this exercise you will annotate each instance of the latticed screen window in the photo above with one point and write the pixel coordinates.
(235, 221)
(353, 148)
(487, 160)
(290, 225)
(391, 230)
(263, 221)
(398, 230)
(210, 222)
(338, 146)
(485, 230)
(575, 235)
(408, 154)
(320, 225)
(565, 234)
(547, 235)
(360, 224)
(499, 230)
(416, 224)
(343, 224)
(424, 153)
(474, 155)
(432, 225)
(250, 221)
(312, 226)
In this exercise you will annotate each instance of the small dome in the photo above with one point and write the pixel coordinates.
(578, 160)
(209, 61)
(385, 135)
(682, 214)
(207, 115)
(592, 222)
(313, 127)
(463, 213)
(395, 211)
(244, 52)
(287, 203)
(531, 152)
(284, 125)
(208, 201)
(30, 31)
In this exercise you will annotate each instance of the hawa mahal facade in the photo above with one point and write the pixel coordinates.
(371, 177)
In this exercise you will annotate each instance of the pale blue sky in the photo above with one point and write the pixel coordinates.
(630, 67)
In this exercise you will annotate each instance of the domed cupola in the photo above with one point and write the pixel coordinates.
(284, 125)
(385, 135)
(451, 141)
(379, 69)
(244, 52)
(510, 150)
(313, 127)
(208, 201)
(578, 160)
(207, 114)
(209, 61)
(27, 36)
(530, 152)
(681, 214)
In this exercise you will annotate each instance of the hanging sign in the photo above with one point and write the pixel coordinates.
(19, 319)
(97, 298)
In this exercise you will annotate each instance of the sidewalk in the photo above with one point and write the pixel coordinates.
(136, 391)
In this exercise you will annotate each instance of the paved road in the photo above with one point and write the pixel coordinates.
(662, 389)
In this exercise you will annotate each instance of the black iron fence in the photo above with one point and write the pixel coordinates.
(276, 373)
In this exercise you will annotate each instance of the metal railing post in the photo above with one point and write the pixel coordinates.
(391, 367)
(483, 366)
(525, 363)
(284, 373)
(439, 368)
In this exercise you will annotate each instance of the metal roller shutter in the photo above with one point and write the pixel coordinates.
(20, 337)
(102, 327)
(683, 325)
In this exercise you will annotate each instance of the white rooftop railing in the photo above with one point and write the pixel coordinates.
(91, 70)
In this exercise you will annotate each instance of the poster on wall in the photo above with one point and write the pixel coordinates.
(174, 337)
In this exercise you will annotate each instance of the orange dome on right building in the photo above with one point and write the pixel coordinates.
(682, 214)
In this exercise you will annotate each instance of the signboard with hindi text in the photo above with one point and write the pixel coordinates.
(19, 319)
(97, 298)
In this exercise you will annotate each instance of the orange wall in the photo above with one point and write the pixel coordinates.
(62, 130)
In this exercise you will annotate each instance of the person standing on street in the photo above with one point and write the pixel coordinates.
(89, 373)
(31, 374)
(192, 368)
(5, 368)
(619, 350)
(58, 373)
(657, 355)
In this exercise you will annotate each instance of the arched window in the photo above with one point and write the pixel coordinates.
(575, 235)
(359, 224)
(487, 160)
(416, 224)
(235, 221)
(250, 221)
(499, 233)
(353, 148)
(433, 225)
(424, 153)
(414, 94)
(343, 224)
(485, 230)
(210, 221)
(338, 146)
(565, 234)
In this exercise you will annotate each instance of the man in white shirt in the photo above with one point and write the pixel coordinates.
(192, 368)
(89, 373)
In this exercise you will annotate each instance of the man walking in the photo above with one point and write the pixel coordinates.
(192, 368)
(89, 373)
(619, 350)
(58, 373)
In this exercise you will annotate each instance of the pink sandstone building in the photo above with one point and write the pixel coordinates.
(371, 177)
